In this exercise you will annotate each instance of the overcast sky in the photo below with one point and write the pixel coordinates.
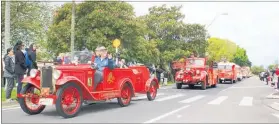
(252, 25)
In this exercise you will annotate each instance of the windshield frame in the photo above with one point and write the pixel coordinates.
(201, 62)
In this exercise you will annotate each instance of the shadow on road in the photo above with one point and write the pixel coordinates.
(89, 109)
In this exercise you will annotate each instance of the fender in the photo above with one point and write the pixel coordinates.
(34, 81)
(123, 81)
(203, 75)
(66, 79)
(148, 82)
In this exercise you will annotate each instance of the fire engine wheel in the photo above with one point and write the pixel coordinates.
(152, 93)
(220, 81)
(204, 83)
(178, 85)
(234, 81)
(126, 95)
(69, 100)
(30, 104)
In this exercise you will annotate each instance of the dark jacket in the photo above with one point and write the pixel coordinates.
(32, 54)
(9, 70)
(20, 65)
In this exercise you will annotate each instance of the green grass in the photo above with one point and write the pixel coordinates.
(3, 95)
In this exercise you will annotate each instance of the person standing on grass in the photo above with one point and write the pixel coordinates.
(9, 73)
(20, 65)
(27, 61)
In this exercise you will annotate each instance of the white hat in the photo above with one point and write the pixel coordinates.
(102, 48)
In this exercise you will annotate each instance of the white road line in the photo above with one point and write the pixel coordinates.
(169, 97)
(246, 101)
(165, 115)
(276, 115)
(192, 99)
(248, 87)
(143, 97)
(10, 108)
(218, 100)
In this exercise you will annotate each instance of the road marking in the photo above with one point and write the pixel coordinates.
(250, 87)
(169, 97)
(165, 115)
(246, 101)
(218, 101)
(10, 108)
(144, 96)
(276, 115)
(192, 99)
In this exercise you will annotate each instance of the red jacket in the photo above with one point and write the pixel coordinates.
(277, 71)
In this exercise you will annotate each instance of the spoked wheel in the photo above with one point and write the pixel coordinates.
(126, 95)
(30, 105)
(69, 100)
(152, 93)
(178, 85)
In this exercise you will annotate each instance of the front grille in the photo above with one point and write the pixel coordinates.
(46, 78)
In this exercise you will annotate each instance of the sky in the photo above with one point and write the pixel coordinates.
(252, 25)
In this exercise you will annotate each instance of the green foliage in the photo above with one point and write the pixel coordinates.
(257, 69)
(29, 21)
(219, 48)
(241, 58)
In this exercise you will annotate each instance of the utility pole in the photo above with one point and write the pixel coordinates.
(7, 25)
(73, 28)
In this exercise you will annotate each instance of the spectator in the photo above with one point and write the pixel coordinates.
(158, 73)
(2, 72)
(20, 65)
(9, 73)
(27, 61)
(33, 56)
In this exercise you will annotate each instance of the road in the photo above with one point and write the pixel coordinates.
(243, 102)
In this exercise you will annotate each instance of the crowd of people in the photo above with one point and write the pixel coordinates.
(270, 76)
(18, 62)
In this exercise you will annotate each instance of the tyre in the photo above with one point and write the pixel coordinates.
(191, 86)
(126, 95)
(152, 93)
(220, 81)
(69, 100)
(34, 108)
(178, 85)
(234, 81)
(204, 84)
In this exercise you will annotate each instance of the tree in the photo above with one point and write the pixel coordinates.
(174, 38)
(221, 48)
(241, 58)
(257, 69)
(28, 21)
(99, 23)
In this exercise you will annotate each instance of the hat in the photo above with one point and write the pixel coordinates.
(102, 48)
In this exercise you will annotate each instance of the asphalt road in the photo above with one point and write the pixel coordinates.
(243, 102)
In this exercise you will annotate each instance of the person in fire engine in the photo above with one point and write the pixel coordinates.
(104, 60)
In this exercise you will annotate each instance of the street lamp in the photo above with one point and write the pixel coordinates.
(215, 19)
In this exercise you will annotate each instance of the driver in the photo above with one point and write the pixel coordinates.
(104, 60)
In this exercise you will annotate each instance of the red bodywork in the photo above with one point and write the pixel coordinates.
(83, 75)
(227, 74)
(192, 74)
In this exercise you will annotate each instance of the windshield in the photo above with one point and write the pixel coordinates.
(224, 67)
(194, 62)
(80, 57)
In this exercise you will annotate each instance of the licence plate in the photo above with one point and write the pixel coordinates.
(46, 101)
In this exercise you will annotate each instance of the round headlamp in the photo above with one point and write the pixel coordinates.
(33, 73)
(56, 74)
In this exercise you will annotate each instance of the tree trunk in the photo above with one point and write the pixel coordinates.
(7, 25)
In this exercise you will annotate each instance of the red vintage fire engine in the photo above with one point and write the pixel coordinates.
(194, 71)
(67, 86)
(227, 72)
